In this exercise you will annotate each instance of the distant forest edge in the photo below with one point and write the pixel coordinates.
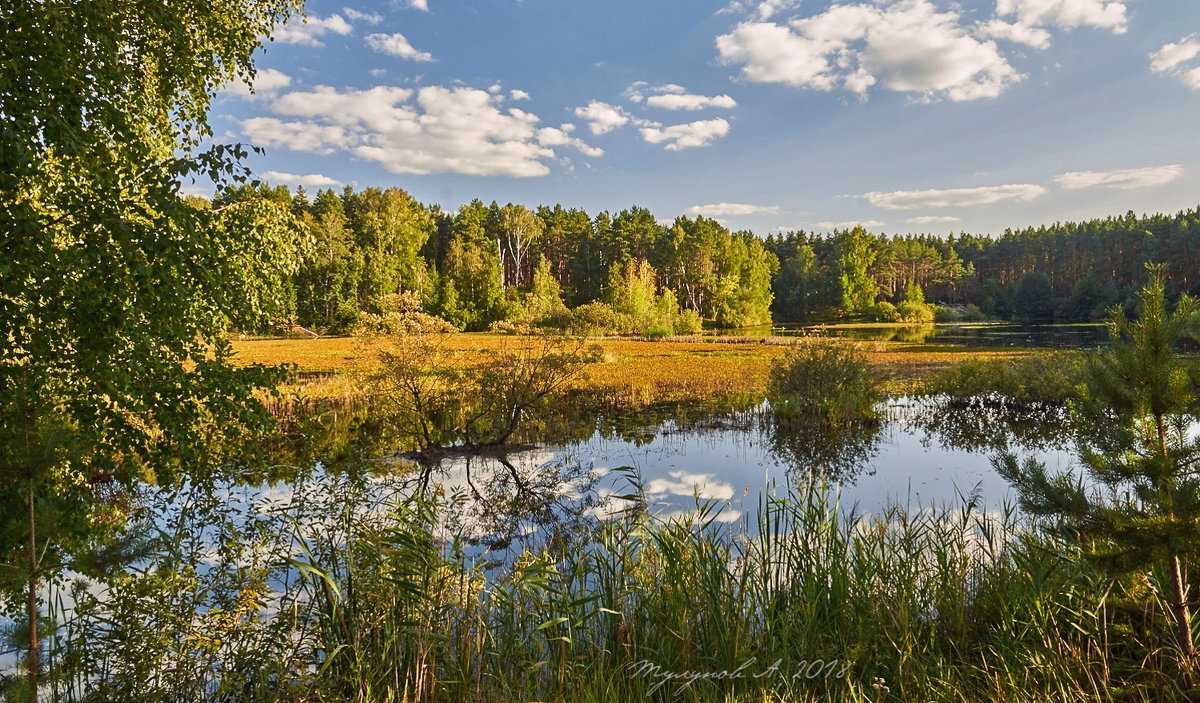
(378, 260)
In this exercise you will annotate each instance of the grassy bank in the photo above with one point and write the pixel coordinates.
(631, 373)
(798, 601)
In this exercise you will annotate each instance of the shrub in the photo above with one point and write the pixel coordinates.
(824, 382)
(1038, 379)
(914, 312)
(883, 311)
(688, 322)
(593, 320)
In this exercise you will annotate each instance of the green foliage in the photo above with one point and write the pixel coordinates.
(824, 382)
(1038, 379)
(390, 605)
(914, 312)
(853, 257)
(912, 293)
(1133, 415)
(593, 320)
(115, 292)
(1034, 298)
(883, 311)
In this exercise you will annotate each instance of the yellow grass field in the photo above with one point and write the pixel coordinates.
(633, 372)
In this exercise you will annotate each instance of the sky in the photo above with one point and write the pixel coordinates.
(904, 116)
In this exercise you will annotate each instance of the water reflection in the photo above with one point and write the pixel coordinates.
(929, 449)
(987, 423)
(820, 451)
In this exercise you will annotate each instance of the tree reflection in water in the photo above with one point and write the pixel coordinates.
(988, 423)
(821, 451)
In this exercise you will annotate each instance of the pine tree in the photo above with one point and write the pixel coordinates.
(1141, 507)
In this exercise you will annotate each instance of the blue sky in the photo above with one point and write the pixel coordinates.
(902, 115)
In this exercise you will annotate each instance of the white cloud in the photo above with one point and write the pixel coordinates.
(1171, 58)
(311, 179)
(931, 219)
(688, 101)
(602, 117)
(1172, 55)
(849, 224)
(307, 33)
(1067, 14)
(762, 10)
(1126, 179)
(686, 484)
(519, 95)
(1191, 78)
(396, 45)
(561, 136)
(422, 5)
(356, 16)
(267, 82)
(675, 97)
(689, 134)
(1016, 32)
(724, 209)
(298, 136)
(430, 130)
(953, 197)
(905, 46)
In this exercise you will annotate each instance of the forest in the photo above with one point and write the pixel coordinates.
(631, 273)
(412, 507)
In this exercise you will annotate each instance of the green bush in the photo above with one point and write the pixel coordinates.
(914, 312)
(593, 319)
(1046, 378)
(688, 322)
(883, 311)
(824, 382)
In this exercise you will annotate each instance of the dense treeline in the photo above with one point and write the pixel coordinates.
(377, 254)
(1069, 271)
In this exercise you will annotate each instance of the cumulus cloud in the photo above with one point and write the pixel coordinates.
(675, 97)
(906, 46)
(1126, 179)
(519, 95)
(430, 130)
(602, 117)
(724, 209)
(422, 5)
(267, 82)
(298, 136)
(931, 219)
(396, 45)
(561, 136)
(953, 197)
(308, 32)
(689, 101)
(1172, 58)
(705, 486)
(356, 16)
(689, 134)
(315, 180)
(1067, 14)
(1036, 37)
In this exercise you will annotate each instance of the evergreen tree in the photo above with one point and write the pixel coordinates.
(1133, 417)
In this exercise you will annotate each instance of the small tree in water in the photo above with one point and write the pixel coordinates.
(1136, 405)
